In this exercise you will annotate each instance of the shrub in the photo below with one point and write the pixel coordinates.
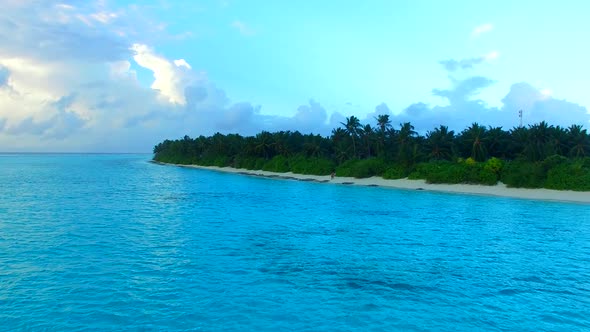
(420, 171)
(362, 168)
(395, 172)
(315, 166)
(260, 162)
(345, 169)
(523, 174)
(206, 162)
(553, 161)
(221, 161)
(569, 176)
(487, 177)
(494, 165)
(369, 167)
(278, 164)
(250, 163)
(448, 172)
(321, 166)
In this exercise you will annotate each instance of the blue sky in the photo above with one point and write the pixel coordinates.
(122, 75)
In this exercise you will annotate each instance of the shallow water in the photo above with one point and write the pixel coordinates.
(113, 242)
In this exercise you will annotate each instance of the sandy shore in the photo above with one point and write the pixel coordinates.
(497, 190)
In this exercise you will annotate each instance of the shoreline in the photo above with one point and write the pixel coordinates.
(499, 190)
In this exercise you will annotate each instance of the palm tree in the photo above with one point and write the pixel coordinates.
(404, 138)
(281, 143)
(218, 144)
(235, 145)
(578, 141)
(538, 146)
(390, 148)
(383, 122)
(295, 142)
(340, 146)
(439, 143)
(313, 146)
(384, 125)
(352, 127)
(264, 144)
(497, 142)
(558, 141)
(249, 147)
(202, 145)
(519, 143)
(367, 135)
(473, 141)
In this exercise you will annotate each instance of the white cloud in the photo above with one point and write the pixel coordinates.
(546, 93)
(42, 30)
(121, 69)
(104, 17)
(481, 29)
(453, 65)
(182, 63)
(491, 56)
(65, 6)
(464, 108)
(243, 28)
(68, 84)
(169, 78)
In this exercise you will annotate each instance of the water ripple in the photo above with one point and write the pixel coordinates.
(112, 242)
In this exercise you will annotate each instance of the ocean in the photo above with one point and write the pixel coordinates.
(114, 242)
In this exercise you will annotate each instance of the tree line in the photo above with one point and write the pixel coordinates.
(539, 155)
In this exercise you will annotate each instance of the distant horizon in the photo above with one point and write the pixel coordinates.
(180, 136)
(74, 152)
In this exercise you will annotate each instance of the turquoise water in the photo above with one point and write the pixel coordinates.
(113, 242)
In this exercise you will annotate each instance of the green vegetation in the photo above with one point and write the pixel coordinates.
(537, 156)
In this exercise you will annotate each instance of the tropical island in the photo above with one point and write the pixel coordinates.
(537, 156)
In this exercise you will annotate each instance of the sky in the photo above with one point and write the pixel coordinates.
(121, 76)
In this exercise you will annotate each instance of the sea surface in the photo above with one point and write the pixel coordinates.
(114, 242)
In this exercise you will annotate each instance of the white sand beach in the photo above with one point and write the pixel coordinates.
(498, 190)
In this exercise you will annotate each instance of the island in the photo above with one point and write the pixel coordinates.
(479, 159)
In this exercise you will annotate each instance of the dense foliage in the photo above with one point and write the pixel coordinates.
(537, 156)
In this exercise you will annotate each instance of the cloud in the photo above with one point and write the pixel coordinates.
(104, 17)
(463, 89)
(243, 28)
(381, 109)
(29, 126)
(491, 56)
(64, 6)
(73, 87)
(182, 63)
(42, 30)
(481, 29)
(537, 105)
(464, 108)
(62, 124)
(453, 65)
(546, 92)
(240, 115)
(311, 117)
(4, 74)
(111, 111)
(170, 78)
